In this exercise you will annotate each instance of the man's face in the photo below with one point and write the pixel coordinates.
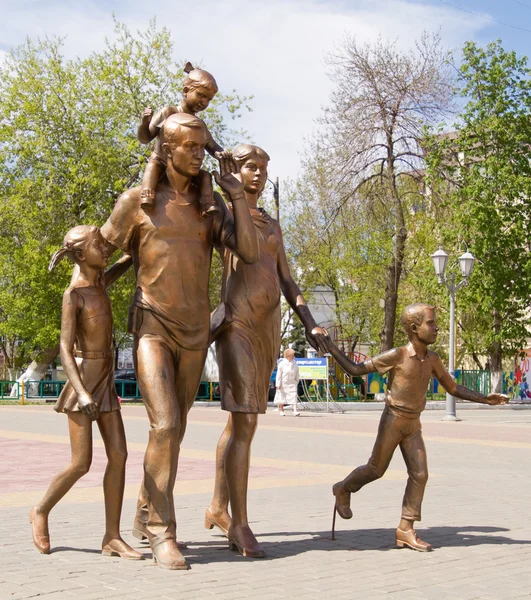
(254, 174)
(187, 149)
(427, 331)
(198, 99)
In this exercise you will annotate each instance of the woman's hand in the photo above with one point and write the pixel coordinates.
(226, 181)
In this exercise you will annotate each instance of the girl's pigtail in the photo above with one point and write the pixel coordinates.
(57, 258)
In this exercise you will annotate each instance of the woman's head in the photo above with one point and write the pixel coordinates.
(83, 243)
(289, 353)
(251, 162)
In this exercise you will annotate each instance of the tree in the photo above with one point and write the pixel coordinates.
(487, 163)
(383, 100)
(68, 148)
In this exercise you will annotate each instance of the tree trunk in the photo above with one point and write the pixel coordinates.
(496, 373)
(37, 370)
(394, 272)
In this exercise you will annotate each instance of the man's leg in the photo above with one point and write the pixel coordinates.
(388, 438)
(218, 512)
(414, 453)
(156, 378)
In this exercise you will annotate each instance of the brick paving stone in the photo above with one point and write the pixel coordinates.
(475, 513)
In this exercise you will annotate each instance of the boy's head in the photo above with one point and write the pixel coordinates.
(199, 89)
(419, 321)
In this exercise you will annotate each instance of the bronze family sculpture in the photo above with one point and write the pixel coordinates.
(171, 246)
(167, 228)
(247, 349)
(88, 360)
(410, 369)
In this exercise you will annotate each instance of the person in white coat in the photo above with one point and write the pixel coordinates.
(286, 382)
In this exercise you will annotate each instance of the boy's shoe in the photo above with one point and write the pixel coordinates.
(411, 540)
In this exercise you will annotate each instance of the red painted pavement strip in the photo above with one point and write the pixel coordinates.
(30, 465)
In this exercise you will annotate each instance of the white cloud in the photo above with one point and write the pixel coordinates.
(273, 50)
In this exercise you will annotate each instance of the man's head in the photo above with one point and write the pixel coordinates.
(419, 322)
(183, 139)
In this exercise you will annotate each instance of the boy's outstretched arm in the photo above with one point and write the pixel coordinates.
(459, 391)
(348, 366)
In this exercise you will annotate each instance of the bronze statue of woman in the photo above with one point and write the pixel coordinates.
(247, 351)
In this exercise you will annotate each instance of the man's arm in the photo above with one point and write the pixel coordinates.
(239, 235)
(117, 270)
(459, 391)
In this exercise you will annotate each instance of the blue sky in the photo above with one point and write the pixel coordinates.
(274, 50)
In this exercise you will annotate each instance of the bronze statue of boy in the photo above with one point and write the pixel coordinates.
(410, 368)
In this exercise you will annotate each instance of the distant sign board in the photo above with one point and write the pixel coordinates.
(313, 368)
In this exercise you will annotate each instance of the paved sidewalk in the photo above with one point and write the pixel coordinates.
(476, 512)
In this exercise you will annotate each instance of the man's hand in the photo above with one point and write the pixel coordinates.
(319, 339)
(496, 399)
(226, 181)
(147, 115)
(87, 406)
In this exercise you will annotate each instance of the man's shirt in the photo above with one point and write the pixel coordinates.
(171, 249)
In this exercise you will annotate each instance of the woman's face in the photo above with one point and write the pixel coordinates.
(254, 174)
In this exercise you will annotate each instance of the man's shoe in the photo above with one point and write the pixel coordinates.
(411, 540)
(167, 555)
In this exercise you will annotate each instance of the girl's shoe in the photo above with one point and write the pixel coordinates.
(41, 542)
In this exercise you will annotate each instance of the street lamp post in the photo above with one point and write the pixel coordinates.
(466, 264)
(276, 196)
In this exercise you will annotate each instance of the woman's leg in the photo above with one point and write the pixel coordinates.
(113, 435)
(80, 430)
(281, 409)
(237, 460)
(218, 511)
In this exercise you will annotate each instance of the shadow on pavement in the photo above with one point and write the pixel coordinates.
(355, 539)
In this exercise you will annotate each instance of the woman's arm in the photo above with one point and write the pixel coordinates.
(317, 336)
(71, 300)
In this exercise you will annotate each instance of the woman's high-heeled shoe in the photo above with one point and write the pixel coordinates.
(247, 545)
(122, 550)
(342, 505)
(41, 542)
(211, 521)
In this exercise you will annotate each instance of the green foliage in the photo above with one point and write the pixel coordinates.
(68, 148)
(484, 174)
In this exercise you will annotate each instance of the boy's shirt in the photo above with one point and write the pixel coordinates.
(409, 377)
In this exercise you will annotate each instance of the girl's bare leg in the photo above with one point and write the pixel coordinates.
(113, 435)
(80, 429)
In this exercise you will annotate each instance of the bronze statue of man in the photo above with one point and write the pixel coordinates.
(171, 249)
(410, 369)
